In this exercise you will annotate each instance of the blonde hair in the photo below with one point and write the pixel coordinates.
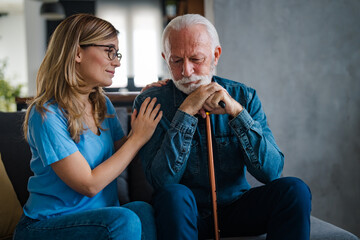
(57, 79)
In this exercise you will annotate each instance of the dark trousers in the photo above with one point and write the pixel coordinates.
(280, 208)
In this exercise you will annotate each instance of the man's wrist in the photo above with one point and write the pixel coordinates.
(239, 108)
(187, 110)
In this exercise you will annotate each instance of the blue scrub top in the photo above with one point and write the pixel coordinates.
(50, 141)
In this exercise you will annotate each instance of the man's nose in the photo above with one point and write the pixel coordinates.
(188, 68)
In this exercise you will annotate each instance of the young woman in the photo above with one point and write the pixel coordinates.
(78, 147)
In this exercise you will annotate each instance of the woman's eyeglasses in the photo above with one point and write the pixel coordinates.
(112, 52)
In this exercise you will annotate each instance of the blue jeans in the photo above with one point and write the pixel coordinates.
(280, 208)
(131, 221)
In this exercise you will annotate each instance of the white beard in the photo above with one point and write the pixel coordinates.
(204, 80)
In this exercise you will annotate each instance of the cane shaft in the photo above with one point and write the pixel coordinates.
(212, 175)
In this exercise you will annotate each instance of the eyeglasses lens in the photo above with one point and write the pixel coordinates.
(113, 54)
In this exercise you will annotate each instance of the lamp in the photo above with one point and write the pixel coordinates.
(52, 11)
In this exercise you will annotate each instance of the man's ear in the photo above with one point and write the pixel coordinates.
(217, 54)
(79, 55)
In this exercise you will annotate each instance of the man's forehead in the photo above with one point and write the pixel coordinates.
(198, 54)
(189, 52)
(189, 41)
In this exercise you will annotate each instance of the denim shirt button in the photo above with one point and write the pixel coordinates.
(183, 150)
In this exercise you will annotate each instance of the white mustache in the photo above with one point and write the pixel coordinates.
(192, 78)
(197, 81)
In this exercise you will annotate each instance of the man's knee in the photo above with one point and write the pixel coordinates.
(175, 200)
(140, 207)
(175, 194)
(176, 212)
(296, 191)
(296, 186)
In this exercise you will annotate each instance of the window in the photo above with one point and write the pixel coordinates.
(140, 27)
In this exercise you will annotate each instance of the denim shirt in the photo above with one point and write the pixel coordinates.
(177, 152)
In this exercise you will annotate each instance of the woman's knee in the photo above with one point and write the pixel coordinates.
(124, 222)
(103, 223)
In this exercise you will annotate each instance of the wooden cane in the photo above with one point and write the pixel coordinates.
(212, 175)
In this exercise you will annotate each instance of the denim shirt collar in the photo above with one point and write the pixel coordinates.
(179, 96)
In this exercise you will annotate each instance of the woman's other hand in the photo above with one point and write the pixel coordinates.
(144, 122)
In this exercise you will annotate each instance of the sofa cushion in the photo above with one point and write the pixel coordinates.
(139, 188)
(320, 230)
(123, 187)
(122, 180)
(15, 152)
(10, 208)
(132, 184)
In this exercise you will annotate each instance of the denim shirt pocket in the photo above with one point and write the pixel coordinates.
(228, 153)
(193, 162)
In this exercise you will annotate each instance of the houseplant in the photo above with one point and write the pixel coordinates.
(8, 93)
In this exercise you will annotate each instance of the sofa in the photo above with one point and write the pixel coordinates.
(132, 185)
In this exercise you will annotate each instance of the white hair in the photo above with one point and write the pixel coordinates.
(184, 21)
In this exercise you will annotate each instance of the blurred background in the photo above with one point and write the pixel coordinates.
(302, 57)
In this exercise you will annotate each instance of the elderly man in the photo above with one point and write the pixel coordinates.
(175, 159)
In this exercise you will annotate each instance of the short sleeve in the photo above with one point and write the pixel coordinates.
(49, 137)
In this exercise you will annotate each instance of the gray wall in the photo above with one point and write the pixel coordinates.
(303, 57)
